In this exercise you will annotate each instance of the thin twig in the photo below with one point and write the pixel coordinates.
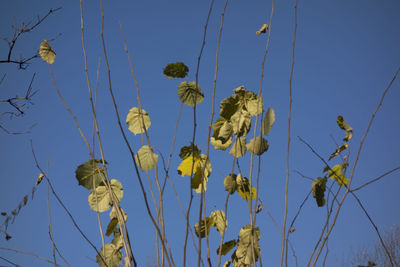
(28, 253)
(288, 142)
(376, 179)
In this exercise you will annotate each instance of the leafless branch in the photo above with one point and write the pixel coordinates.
(288, 139)
(28, 253)
(19, 103)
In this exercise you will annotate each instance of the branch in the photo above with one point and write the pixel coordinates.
(24, 28)
(15, 102)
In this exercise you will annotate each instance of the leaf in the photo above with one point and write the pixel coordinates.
(268, 121)
(263, 29)
(118, 241)
(253, 103)
(243, 188)
(190, 94)
(243, 255)
(202, 172)
(345, 126)
(103, 200)
(226, 247)
(89, 173)
(338, 150)
(337, 173)
(230, 183)
(205, 224)
(187, 151)
(259, 208)
(111, 255)
(46, 52)
(227, 264)
(186, 166)
(241, 122)
(225, 132)
(257, 146)
(239, 147)
(318, 190)
(222, 138)
(3, 213)
(138, 121)
(220, 221)
(113, 213)
(176, 70)
(218, 144)
(39, 179)
(146, 158)
(229, 106)
(112, 226)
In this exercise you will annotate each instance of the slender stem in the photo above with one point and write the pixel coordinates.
(288, 140)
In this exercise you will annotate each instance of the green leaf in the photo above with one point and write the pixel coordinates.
(225, 132)
(205, 225)
(46, 52)
(113, 213)
(118, 241)
(239, 147)
(337, 173)
(241, 122)
(253, 103)
(138, 121)
(230, 183)
(112, 226)
(111, 255)
(219, 144)
(229, 106)
(220, 221)
(338, 150)
(243, 255)
(345, 126)
(103, 200)
(227, 264)
(187, 151)
(267, 122)
(257, 146)
(146, 158)
(190, 94)
(226, 247)
(89, 173)
(243, 188)
(176, 70)
(318, 190)
(222, 138)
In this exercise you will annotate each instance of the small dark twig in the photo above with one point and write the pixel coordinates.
(19, 103)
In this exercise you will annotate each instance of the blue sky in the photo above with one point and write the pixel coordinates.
(346, 54)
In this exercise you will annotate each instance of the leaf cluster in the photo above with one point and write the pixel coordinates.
(91, 176)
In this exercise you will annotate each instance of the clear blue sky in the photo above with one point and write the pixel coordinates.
(346, 54)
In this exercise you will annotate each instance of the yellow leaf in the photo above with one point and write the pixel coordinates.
(185, 168)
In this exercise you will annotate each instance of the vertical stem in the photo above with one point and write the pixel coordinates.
(288, 140)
